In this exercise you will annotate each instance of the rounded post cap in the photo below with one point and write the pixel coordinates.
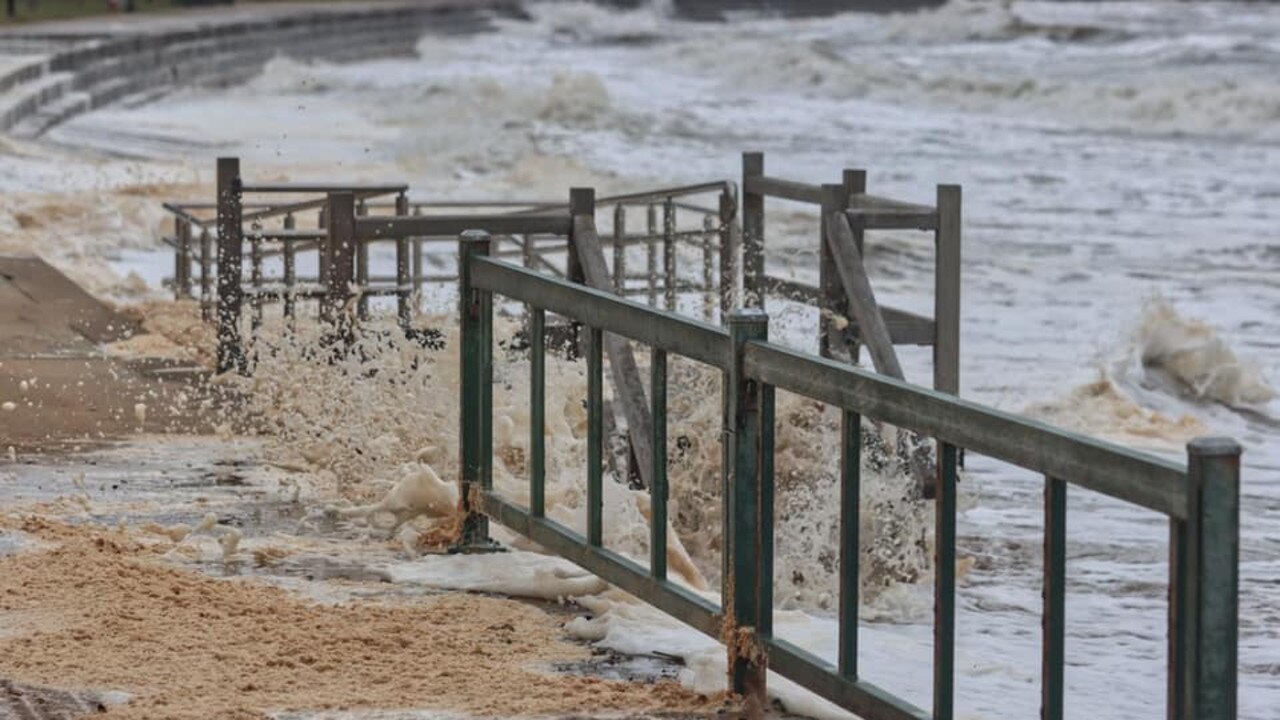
(474, 236)
(1214, 447)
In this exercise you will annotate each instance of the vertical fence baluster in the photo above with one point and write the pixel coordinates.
(537, 411)
(595, 436)
(855, 183)
(728, 252)
(658, 492)
(1205, 585)
(742, 587)
(1055, 577)
(850, 547)
(944, 589)
(362, 268)
(831, 296)
(651, 253)
(708, 267)
(206, 275)
(752, 233)
(669, 251)
(182, 259)
(404, 287)
(620, 249)
(230, 266)
(417, 258)
(255, 277)
(290, 269)
(475, 309)
(764, 612)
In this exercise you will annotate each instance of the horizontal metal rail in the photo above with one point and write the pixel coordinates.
(1109, 469)
(785, 189)
(300, 188)
(595, 308)
(369, 228)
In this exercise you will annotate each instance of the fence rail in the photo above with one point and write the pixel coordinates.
(1201, 501)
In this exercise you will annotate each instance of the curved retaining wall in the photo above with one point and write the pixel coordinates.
(53, 72)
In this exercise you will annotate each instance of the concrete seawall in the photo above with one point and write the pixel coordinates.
(51, 72)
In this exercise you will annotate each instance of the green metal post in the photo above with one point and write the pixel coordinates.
(752, 232)
(230, 266)
(404, 281)
(476, 346)
(595, 437)
(341, 264)
(669, 251)
(850, 517)
(728, 252)
(290, 271)
(1206, 585)
(537, 412)
(1053, 651)
(944, 586)
(658, 476)
(741, 587)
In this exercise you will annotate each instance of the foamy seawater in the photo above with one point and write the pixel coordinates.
(1110, 154)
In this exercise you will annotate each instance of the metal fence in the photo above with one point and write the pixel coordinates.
(1201, 500)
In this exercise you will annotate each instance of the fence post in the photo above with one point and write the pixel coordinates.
(728, 251)
(946, 294)
(206, 275)
(855, 183)
(362, 268)
(404, 286)
(475, 312)
(341, 253)
(708, 268)
(1204, 589)
(182, 259)
(831, 300)
(669, 252)
(230, 266)
(742, 584)
(290, 269)
(752, 232)
(620, 249)
(582, 201)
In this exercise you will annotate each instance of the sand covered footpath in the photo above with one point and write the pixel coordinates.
(94, 608)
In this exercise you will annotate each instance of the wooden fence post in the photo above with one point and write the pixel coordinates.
(230, 266)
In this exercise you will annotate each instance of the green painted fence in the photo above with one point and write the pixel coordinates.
(1201, 501)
